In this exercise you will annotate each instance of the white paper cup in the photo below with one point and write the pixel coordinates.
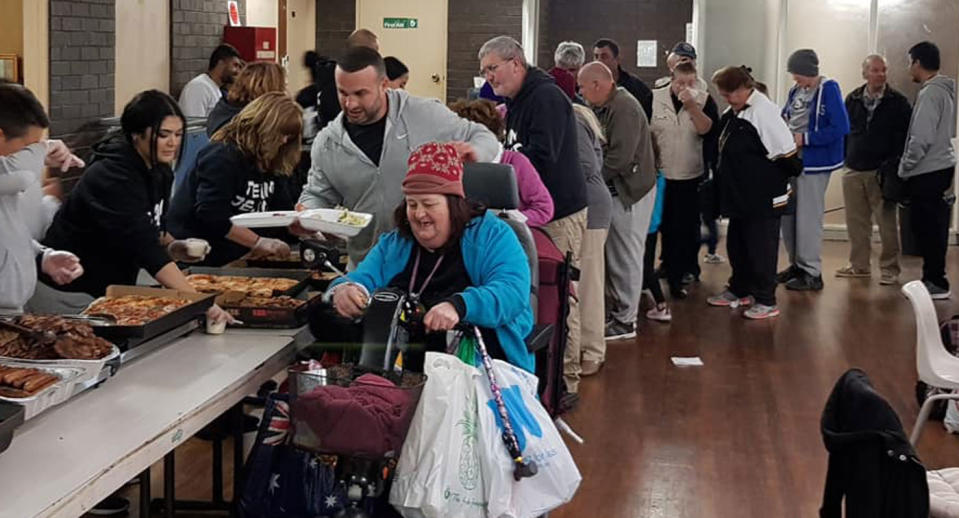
(197, 247)
(215, 328)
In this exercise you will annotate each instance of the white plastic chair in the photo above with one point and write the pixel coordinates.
(936, 366)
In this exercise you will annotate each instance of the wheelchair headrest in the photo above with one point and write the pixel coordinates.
(492, 184)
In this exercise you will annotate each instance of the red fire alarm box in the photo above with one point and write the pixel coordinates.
(253, 43)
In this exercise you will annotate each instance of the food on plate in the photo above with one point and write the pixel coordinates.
(24, 382)
(75, 340)
(135, 310)
(252, 286)
(350, 218)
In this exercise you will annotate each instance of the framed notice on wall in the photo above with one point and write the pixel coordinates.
(9, 67)
(646, 53)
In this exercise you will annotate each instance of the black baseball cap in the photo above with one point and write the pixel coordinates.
(685, 50)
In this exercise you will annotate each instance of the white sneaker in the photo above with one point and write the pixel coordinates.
(714, 259)
(660, 314)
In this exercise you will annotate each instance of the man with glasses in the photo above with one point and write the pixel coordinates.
(540, 124)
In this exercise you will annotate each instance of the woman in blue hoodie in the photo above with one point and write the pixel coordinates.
(816, 115)
(463, 263)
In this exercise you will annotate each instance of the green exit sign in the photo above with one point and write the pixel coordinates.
(400, 23)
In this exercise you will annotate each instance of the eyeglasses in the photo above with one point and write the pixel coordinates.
(489, 69)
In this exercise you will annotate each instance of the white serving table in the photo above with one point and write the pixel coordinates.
(67, 459)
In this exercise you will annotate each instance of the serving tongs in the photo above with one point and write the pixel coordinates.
(41, 337)
(94, 319)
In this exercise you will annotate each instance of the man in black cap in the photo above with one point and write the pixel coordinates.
(606, 51)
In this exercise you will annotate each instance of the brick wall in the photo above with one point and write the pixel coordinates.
(335, 20)
(82, 61)
(196, 28)
(470, 25)
(624, 21)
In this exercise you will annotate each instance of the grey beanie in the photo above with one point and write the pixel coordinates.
(803, 62)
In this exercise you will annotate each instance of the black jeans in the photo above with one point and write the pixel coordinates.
(753, 248)
(680, 228)
(929, 213)
(650, 277)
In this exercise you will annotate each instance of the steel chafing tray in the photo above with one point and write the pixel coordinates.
(128, 336)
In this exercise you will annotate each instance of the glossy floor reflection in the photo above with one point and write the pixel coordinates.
(740, 435)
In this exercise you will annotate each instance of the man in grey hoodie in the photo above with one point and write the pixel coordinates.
(359, 159)
(928, 164)
(23, 155)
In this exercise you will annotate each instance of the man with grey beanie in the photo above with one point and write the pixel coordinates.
(816, 115)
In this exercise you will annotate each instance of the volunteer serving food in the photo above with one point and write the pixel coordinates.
(239, 172)
(115, 218)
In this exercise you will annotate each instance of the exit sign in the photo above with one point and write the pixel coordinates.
(400, 23)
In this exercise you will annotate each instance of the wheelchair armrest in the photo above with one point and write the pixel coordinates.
(540, 337)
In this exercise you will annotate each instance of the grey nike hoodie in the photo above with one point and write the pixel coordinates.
(931, 130)
(19, 173)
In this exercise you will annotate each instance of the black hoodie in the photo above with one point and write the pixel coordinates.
(224, 183)
(872, 466)
(540, 124)
(113, 218)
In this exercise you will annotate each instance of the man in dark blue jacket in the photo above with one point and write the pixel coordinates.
(878, 121)
(817, 117)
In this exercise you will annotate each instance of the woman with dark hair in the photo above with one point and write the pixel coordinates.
(462, 263)
(396, 72)
(115, 218)
(757, 156)
(253, 81)
(535, 203)
(240, 172)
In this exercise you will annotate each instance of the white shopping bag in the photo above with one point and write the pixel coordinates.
(439, 472)
(557, 478)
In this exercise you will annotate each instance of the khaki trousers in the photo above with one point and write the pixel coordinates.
(567, 233)
(863, 199)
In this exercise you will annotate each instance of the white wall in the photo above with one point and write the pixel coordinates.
(142, 48)
(262, 13)
(300, 37)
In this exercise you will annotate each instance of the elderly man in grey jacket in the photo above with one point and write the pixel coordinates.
(359, 159)
(928, 164)
(629, 169)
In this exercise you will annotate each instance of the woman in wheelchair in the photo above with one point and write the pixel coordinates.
(452, 259)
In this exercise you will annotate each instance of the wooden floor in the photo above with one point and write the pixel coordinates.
(738, 437)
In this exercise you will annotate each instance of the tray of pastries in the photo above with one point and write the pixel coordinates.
(257, 297)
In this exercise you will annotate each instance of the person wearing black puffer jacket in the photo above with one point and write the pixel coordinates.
(239, 172)
(878, 123)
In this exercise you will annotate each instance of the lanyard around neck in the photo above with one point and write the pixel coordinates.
(416, 268)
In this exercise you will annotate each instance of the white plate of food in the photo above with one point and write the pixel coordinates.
(277, 218)
(341, 222)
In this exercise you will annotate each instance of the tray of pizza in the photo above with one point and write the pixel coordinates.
(36, 388)
(73, 344)
(257, 282)
(142, 313)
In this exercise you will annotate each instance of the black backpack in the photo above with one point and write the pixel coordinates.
(949, 330)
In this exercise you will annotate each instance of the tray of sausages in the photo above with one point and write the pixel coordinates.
(36, 388)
